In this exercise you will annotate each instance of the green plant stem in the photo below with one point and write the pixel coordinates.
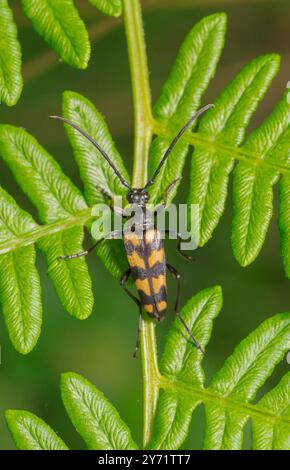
(143, 136)
(208, 396)
(141, 90)
(151, 377)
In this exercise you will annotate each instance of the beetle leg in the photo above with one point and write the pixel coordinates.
(89, 250)
(176, 275)
(82, 253)
(124, 278)
(178, 236)
(138, 332)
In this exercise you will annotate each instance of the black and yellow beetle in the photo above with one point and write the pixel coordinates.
(144, 246)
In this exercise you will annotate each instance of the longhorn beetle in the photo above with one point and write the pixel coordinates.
(144, 247)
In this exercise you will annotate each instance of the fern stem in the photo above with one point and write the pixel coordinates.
(208, 396)
(151, 376)
(140, 88)
(143, 136)
(41, 231)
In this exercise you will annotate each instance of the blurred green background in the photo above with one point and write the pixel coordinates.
(101, 347)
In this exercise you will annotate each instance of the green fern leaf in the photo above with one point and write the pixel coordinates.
(41, 178)
(227, 398)
(273, 434)
(20, 291)
(93, 416)
(10, 57)
(31, 433)
(180, 381)
(109, 7)
(181, 94)
(253, 185)
(181, 362)
(284, 221)
(243, 373)
(218, 143)
(59, 23)
(70, 278)
(94, 170)
(173, 417)
(39, 175)
(112, 254)
(225, 123)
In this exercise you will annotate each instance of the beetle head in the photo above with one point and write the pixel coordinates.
(138, 196)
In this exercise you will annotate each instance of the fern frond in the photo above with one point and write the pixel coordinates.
(284, 221)
(55, 196)
(243, 373)
(95, 172)
(31, 432)
(227, 400)
(64, 212)
(109, 7)
(59, 23)
(72, 281)
(10, 57)
(97, 421)
(219, 142)
(273, 434)
(181, 362)
(20, 291)
(179, 385)
(253, 184)
(181, 94)
(226, 123)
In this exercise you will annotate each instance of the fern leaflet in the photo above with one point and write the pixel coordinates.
(10, 57)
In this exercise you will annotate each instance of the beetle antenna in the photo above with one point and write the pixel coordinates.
(175, 140)
(197, 344)
(95, 144)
